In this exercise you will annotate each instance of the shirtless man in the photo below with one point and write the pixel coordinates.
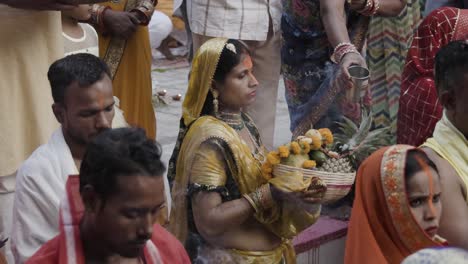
(448, 148)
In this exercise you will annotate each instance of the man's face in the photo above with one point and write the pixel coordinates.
(126, 220)
(87, 111)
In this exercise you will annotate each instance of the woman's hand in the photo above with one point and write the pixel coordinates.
(315, 193)
(344, 77)
(121, 24)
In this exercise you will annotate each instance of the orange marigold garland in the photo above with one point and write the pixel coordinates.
(316, 142)
(295, 148)
(283, 151)
(273, 158)
(305, 147)
(326, 135)
(313, 140)
(309, 164)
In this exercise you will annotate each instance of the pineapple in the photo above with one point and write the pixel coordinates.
(355, 144)
(337, 165)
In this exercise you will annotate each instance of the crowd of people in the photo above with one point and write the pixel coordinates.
(78, 73)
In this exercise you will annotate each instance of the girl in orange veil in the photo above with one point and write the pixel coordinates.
(388, 223)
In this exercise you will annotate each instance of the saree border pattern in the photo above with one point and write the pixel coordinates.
(117, 46)
(393, 184)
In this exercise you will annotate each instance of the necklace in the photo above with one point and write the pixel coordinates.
(233, 120)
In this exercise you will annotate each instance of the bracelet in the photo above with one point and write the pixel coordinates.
(341, 50)
(251, 202)
(338, 49)
(371, 8)
(97, 16)
(367, 7)
(261, 199)
(145, 10)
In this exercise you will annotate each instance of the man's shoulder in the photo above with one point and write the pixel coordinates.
(41, 160)
(47, 254)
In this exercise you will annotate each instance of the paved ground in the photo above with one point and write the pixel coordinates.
(168, 116)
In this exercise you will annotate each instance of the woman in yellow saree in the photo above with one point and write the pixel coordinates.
(124, 45)
(223, 209)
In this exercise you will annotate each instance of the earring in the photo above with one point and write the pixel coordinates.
(215, 101)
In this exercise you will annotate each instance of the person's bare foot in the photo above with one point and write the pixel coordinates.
(164, 49)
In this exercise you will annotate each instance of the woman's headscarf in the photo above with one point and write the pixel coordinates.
(382, 228)
(201, 76)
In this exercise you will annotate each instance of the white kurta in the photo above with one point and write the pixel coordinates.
(40, 186)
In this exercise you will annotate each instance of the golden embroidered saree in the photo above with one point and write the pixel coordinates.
(211, 155)
(130, 64)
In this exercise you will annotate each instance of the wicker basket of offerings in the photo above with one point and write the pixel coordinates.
(332, 158)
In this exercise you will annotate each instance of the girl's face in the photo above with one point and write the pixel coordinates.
(423, 191)
(240, 86)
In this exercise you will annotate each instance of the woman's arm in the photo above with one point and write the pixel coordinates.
(386, 7)
(391, 7)
(334, 21)
(213, 217)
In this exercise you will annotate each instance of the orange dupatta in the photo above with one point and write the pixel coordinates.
(382, 228)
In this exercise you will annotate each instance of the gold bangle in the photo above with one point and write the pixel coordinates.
(251, 202)
(267, 198)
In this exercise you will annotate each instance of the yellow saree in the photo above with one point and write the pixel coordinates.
(130, 64)
(234, 159)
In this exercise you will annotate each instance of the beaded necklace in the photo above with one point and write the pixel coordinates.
(234, 120)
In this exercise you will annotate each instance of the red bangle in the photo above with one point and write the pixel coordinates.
(341, 50)
(371, 8)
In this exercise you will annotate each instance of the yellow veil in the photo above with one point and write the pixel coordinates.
(203, 69)
(201, 76)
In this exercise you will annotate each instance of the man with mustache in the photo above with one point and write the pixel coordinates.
(84, 106)
(110, 210)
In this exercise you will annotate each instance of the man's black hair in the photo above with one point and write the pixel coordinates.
(83, 68)
(451, 65)
(122, 152)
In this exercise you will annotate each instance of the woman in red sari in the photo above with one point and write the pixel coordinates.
(397, 207)
(419, 108)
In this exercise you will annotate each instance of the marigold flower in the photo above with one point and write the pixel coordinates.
(283, 151)
(267, 170)
(305, 147)
(309, 164)
(296, 149)
(316, 142)
(326, 135)
(273, 158)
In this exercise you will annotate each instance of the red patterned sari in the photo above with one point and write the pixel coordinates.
(382, 228)
(419, 108)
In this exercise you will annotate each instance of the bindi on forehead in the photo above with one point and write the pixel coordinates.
(247, 62)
